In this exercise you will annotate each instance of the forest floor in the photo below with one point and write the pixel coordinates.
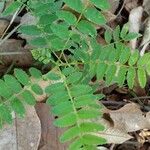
(127, 110)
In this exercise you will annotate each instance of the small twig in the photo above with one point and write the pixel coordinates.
(121, 8)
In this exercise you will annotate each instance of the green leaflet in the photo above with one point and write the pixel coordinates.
(66, 121)
(28, 97)
(143, 60)
(35, 73)
(67, 16)
(18, 107)
(102, 4)
(116, 33)
(12, 83)
(148, 68)
(22, 77)
(57, 44)
(31, 30)
(77, 5)
(47, 19)
(142, 77)
(37, 89)
(134, 58)
(93, 15)
(91, 127)
(74, 77)
(125, 55)
(5, 91)
(58, 98)
(63, 108)
(87, 28)
(77, 90)
(5, 113)
(110, 73)
(108, 36)
(93, 140)
(121, 76)
(70, 134)
(124, 30)
(131, 36)
(76, 144)
(88, 113)
(53, 88)
(14, 6)
(61, 30)
(38, 42)
(131, 77)
(52, 76)
(101, 69)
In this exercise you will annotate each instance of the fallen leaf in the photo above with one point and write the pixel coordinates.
(24, 134)
(130, 118)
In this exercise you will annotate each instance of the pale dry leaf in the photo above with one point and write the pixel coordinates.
(146, 38)
(130, 118)
(146, 5)
(112, 134)
(130, 4)
(11, 51)
(135, 23)
(24, 134)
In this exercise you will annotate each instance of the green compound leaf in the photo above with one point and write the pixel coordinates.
(22, 77)
(77, 5)
(93, 15)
